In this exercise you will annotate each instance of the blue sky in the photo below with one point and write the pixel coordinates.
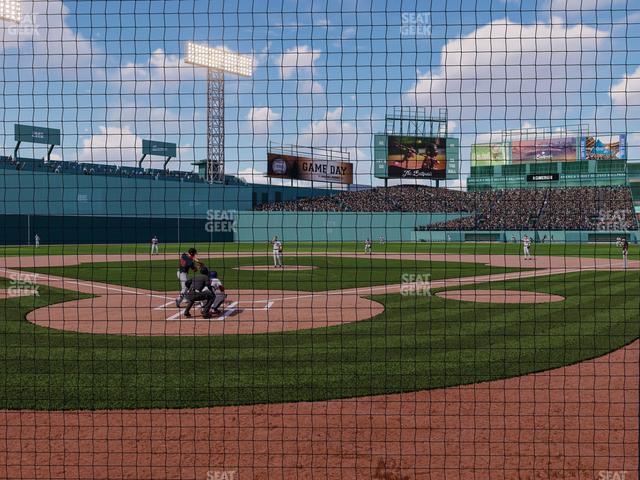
(109, 73)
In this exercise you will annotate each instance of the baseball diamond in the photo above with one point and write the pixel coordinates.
(311, 240)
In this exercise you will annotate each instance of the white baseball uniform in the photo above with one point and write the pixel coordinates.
(277, 253)
(526, 243)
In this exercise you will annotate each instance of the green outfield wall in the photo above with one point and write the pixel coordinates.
(334, 226)
(46, 193)
(554, 236)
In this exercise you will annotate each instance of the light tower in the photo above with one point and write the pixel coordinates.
(217, 61)
(10, 10)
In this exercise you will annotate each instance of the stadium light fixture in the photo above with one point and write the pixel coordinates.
(10, 10)
(217, 61)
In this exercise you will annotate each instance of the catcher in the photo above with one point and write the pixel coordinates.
(217, 289)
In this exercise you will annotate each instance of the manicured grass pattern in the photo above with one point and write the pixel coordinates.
(332, 273)
(558, 249)
(417, 343)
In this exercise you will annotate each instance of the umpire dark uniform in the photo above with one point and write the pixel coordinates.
(197, 293)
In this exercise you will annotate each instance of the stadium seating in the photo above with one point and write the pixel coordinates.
(583, 208)
(78, 168)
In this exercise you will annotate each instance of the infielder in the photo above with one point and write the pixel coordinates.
(526, 244)
(277, 252)
(154, 245)
(188, 263)
(367, 246)
(37, 240)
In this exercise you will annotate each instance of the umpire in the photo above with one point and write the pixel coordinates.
(197, 292)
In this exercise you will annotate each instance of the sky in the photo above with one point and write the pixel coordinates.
(110, 73)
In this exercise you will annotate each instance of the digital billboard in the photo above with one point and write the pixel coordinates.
(309, 169)
(490, 154)
(417, 157)
(560, 149)
(613, 147)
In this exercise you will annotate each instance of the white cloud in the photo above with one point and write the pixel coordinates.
(509, 70)
(252, 175)
(120, 145)
(261, 119)
(334, 133)
(161, 72)
(309, 86)
(116, 145)
(298, 61)
(49, 49)
(627, 91)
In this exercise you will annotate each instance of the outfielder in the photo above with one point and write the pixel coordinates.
(526, 244)
(625, 251)
(277, 252)
(367, 246)
(154, 245)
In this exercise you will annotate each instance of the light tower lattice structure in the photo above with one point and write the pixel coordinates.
(217, 61)
(215, 126)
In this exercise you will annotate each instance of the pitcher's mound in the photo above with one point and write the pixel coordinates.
(286, 268)
(499, 296)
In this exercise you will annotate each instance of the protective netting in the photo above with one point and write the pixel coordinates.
(305, 239)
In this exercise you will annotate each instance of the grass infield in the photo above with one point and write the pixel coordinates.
(417, 343)
(332, 273)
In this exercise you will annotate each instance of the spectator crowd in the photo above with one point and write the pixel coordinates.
(79, 168)
(571, 208)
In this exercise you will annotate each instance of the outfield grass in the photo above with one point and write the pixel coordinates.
(332, 273)
(417, 343)
(558, 249)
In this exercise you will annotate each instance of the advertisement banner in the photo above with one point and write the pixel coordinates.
(33, 134)
(561, 149)
(490, 154)
(417, 157)
(162, 149)
(613, 147)
(309, 169)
